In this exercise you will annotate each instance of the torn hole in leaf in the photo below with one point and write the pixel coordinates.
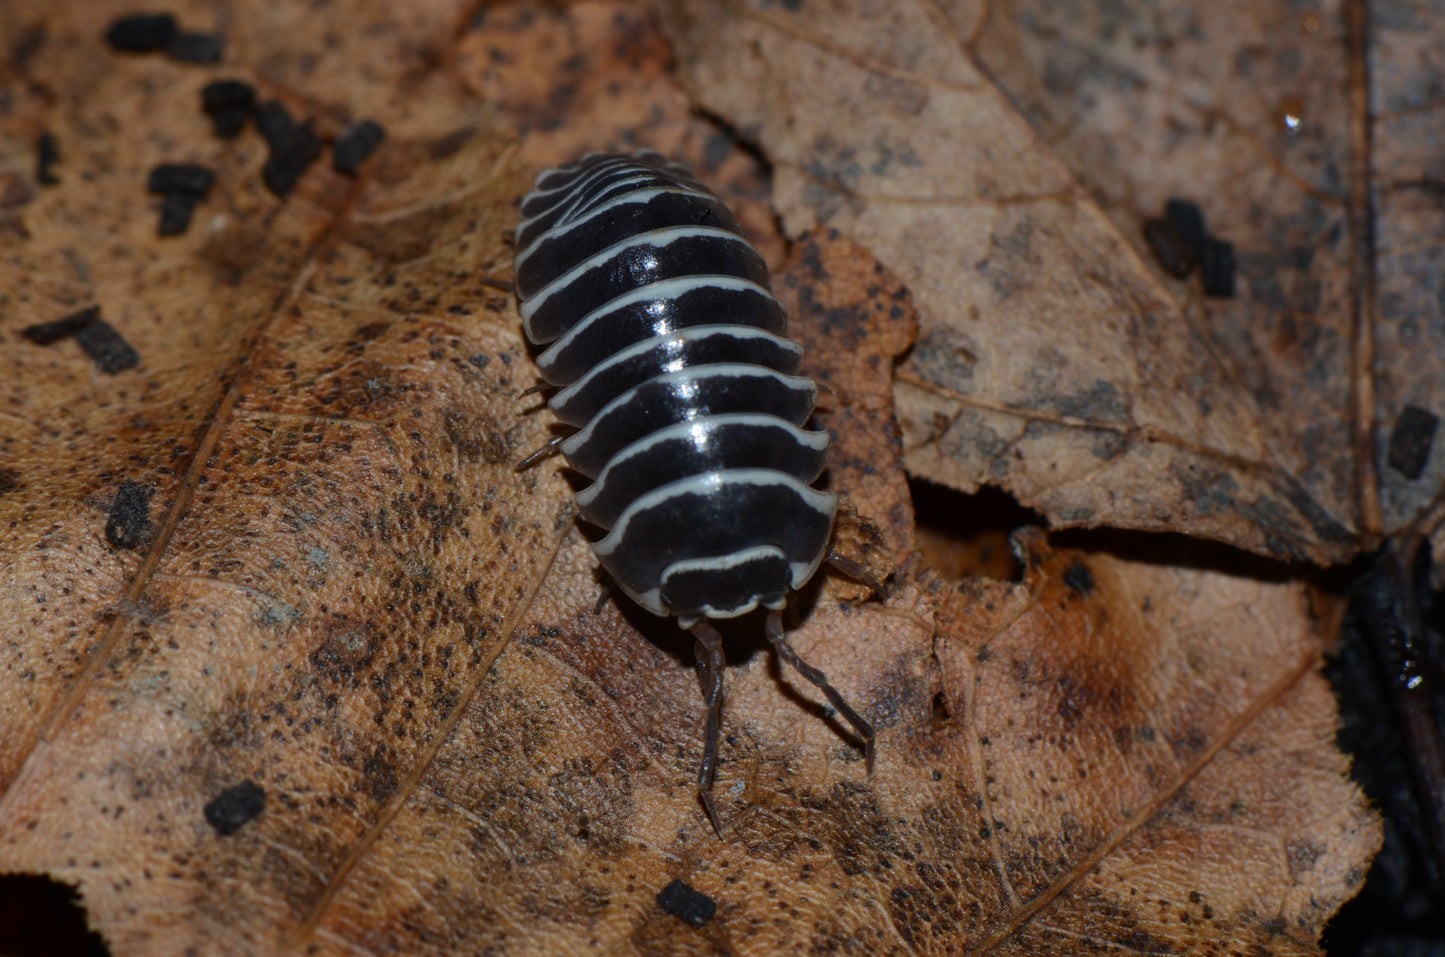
(1174, 550)
(963, 535)
(941, 714)
(40, 916)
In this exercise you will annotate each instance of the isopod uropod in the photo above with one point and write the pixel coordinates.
(670, 363)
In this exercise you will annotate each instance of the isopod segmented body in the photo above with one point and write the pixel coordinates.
(671, 362)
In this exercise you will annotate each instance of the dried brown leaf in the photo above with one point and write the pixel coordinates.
(1264, 113)
(1051, 361)
(346, 597)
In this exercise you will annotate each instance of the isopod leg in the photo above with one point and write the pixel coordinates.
(853, 570)
(549, 449)
(786, 652)
(709, 652)
(605, 594)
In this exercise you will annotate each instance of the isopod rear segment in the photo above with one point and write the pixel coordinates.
(671, 363)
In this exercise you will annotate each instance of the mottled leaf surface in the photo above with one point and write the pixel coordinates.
(338, 680)
(1306, 145)
(1003, 158)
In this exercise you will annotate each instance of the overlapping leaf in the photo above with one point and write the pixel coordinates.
(347, 598)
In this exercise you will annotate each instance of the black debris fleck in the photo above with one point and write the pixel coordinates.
(44, 333)
(356, 143)
(9, 481)
(229, 104)
(1170, 247)
(191, 47)
(141, 32)
(274, 123)
(1079, 578)
(47, 157)
(176, 210)
(106, 347)
(1410, 441)
(235, 807)
(1216, 268)
(1188, 219)
(183, 185)
(283, 168)
(97, 338)
(686, 904)
(180, 178)
(293, 147)
(129, 523)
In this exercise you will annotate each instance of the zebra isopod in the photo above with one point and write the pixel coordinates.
(670, 364)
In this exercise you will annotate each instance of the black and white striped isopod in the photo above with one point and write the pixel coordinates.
(670, 357)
